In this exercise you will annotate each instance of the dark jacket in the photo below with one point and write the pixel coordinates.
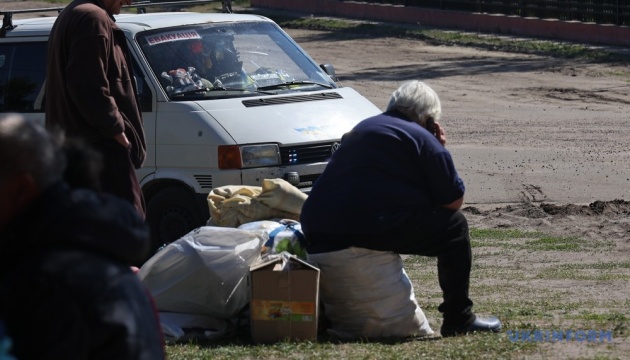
(389, 174)
(66, 287)
(90, 89)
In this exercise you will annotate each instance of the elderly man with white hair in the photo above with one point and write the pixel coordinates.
(392, 186)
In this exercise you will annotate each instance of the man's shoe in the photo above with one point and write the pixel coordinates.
(489, 324)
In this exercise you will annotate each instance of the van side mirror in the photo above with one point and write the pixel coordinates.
(330, 70)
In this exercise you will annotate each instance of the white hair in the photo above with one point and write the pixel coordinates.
(416, 100)
(26, 147)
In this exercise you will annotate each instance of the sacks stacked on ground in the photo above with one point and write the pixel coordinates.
(367, 294)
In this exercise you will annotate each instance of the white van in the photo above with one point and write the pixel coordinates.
(227, 99)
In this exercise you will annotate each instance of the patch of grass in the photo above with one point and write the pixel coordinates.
(502, 234)
(419, 260)
(530, 241)
(573, 274)
(529, 46)
(615, 321)
(620, 73)
(604, 317)
(556, 244)
(454, 348)
(448, 37)
(531, 309)
(596, 266)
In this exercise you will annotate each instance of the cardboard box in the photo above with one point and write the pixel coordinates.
(284, 299)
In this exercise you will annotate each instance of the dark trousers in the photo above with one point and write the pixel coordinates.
(119, 176)
(443, 234)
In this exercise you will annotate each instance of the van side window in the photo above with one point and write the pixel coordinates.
(145, 96)
(22, 75)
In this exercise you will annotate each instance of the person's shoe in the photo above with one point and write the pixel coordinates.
(489, 324)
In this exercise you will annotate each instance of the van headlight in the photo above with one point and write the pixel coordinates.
(248, 156)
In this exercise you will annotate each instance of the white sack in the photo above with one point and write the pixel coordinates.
(367, 293)
(205, 272)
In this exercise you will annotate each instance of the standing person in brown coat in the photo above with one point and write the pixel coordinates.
(91, 93)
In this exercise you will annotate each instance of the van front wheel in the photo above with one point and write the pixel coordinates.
(171, 214)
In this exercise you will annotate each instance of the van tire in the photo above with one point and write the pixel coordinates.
(171, 214)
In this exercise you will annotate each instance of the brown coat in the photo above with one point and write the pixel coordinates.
(90, 92)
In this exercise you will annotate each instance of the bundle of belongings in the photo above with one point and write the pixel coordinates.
(367, 294)
(200, 282)
(236, 205)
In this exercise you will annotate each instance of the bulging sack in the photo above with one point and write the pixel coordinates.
(205, 272)
(367, 294)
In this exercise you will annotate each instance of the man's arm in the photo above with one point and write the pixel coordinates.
(445, 167)
(447, 188)
(87, 78)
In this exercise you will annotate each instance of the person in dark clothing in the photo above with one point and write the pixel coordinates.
(91, 93)
(84, 165)
(392, 186)
(67, 290)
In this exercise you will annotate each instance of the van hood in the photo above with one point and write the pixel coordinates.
(291, 118)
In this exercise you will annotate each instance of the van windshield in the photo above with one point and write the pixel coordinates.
(229, 59)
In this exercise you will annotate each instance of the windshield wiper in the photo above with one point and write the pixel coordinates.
(221, 88)
(296, 82)
(206, 90)
(188, 92)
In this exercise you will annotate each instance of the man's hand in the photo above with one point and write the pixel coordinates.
(455, 205)
(122, 140)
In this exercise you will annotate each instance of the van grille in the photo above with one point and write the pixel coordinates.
(291, 99)
(305, 154)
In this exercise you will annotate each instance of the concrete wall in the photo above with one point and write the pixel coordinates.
(500, 24)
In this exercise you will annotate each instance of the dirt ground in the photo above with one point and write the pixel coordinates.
(541, 143)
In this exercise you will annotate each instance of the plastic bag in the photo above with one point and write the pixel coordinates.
(192, 326)
(284, 235)
(205, 272)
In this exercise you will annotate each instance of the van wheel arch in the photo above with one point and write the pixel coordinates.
(172, 212)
